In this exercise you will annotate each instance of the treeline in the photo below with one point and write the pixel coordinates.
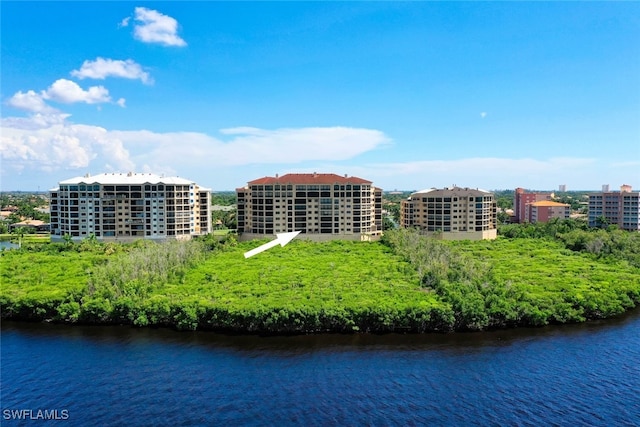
(307, 288)
(93, 282)
(525, 281)
(224, 198)
(23, 206)
(407, 282)
(116, 287)
(576, 235)
(463, 282)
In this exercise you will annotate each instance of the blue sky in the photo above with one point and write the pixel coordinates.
(495, 95)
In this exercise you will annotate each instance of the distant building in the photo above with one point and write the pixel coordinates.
(562, 188)
(545, 210)
(451, 213)
(33, 224)
(621, 208)
(522, 198)
(126, 207)
(323, 206)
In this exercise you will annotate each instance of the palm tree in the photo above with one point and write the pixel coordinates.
(20, 231)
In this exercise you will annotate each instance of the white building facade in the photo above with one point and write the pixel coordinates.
(129, 206)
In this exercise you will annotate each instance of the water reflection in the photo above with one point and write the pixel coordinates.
(584, 374)
(5, 244)
(321, 342)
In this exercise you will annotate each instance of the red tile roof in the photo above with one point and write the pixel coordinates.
(309, 178)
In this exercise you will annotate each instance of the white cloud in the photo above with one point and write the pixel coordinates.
(154, 27)
(251, 146)
(30, 101)
(67, 92)
(34, 122)
(483, 114)
(125, 22)
(62, 91)
(102, 68)
(302, 144)
(50, 143)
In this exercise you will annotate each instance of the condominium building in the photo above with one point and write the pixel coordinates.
(322, 206)
(621, 208)
(546, 210)
(451, 213)
(126, 207)
(522, 198)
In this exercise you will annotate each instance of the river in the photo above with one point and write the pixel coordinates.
(576, 375)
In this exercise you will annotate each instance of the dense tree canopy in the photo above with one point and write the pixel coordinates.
(554, 273)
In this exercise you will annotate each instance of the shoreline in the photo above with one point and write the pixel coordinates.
(612, 321)
(405, 284)
(418, 323)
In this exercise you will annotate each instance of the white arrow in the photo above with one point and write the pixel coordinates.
(281, 239)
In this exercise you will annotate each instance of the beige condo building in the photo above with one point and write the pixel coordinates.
(129, 206)
(322, 206)
(451, 213)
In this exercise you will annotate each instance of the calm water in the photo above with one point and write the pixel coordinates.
(4, 244)
(585, 375)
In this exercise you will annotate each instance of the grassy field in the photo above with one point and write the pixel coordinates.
(407, 283)
(27, 238)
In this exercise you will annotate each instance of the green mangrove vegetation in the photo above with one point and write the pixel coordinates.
(530, 276)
